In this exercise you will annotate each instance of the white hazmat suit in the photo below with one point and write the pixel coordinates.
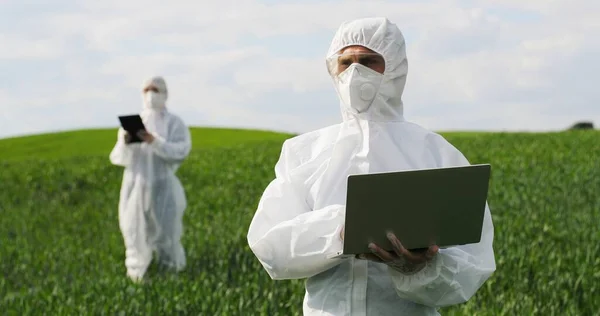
(301, 213)
(152, 199)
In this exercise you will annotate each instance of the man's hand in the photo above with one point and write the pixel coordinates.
(402, 260)
(145, 136)
(342, 233)
(128, 138)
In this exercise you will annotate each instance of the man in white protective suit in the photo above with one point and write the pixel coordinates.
(152, 199)
(300, 216)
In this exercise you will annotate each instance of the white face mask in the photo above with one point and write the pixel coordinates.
(357, 86)
(155, 100)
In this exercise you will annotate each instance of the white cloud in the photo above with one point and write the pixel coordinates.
(504, 62)
(24, 48)
(271, 72)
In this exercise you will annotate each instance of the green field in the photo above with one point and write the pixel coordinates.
(61, 251)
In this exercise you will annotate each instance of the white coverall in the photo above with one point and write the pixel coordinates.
(301, 212)
(152, 199)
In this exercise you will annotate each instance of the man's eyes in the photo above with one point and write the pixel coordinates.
(370, 61)
(363, 61)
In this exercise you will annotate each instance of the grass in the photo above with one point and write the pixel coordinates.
(99, 142)
(61, 251)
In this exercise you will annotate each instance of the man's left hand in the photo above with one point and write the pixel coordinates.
(401, 259)
(145, 136)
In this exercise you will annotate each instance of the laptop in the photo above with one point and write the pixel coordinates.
(445, 206)
(132, 124)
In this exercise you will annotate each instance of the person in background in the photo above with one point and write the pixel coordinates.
(299, 220)
(152, 199)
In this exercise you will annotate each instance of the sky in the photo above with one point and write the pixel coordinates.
(494, 65)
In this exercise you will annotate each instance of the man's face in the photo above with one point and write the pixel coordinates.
(361, 55)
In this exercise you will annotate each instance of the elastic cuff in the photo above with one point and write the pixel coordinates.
(429, 272)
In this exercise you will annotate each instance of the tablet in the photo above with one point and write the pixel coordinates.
(444, 206)
(132, 124)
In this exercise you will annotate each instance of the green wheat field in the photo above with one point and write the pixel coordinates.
(61, 251)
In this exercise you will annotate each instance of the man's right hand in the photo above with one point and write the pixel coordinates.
(401, 259)
(127, 138)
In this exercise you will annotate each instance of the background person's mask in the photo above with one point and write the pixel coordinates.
(358, 85)
(155, 100)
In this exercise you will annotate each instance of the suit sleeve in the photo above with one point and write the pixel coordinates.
(290, 240)
(177, 148)
(121, 153)
(456, 273)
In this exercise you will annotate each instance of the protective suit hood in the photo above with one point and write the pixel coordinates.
(154, 110)
(155, 102)
(385, 38)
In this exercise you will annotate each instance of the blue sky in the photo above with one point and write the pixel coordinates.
(473, 65)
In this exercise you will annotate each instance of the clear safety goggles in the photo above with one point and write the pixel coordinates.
(339, 62)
